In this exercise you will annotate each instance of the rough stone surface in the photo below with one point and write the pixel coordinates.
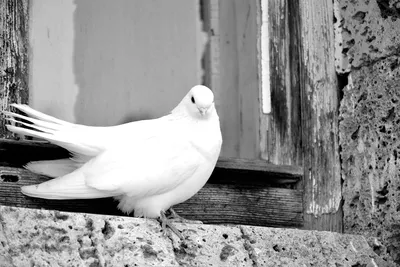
(48, 238)
(370, 141)
(290, 247)
(367, 38)
(366, 30)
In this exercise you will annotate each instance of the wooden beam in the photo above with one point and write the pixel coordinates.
(280, 134)
(259, 169)
(14, 17)
(234, 74)
(319, 109)
(215, 203)
(241, 204)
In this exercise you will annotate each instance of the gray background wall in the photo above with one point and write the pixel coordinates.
(102, 62)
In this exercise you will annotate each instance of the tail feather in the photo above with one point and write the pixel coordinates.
(33, 133)
(32, 126)
(38, 115)
(44, 125)
(81, 151)
(53, 168)
(78, 139)
(70, 186)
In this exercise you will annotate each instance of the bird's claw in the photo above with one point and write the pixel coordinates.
(173, 216)
(166, 222)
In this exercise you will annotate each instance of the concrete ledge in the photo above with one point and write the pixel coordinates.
(49, 238)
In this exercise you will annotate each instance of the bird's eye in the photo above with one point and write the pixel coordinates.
(193, 100)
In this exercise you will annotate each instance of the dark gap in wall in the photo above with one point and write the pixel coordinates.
(343, 80)
(202, 11)
(205, 59)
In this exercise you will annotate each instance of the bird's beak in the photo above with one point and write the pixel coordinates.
(203, 111)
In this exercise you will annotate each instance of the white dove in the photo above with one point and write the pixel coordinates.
(147, 165)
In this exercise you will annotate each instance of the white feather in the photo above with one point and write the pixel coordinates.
(38, 115)
(70, 186)
(53, 168)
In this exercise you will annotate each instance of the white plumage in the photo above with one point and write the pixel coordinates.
(147, 165)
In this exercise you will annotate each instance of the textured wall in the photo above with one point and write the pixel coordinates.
(367, 57)
(370, 139)
(367, 30)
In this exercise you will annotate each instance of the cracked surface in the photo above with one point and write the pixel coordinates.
(47, 238)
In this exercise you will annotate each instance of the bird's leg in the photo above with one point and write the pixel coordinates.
(173, 216)
(165, 222)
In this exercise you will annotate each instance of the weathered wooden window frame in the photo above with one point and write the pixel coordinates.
(301, 132)
(302, 128)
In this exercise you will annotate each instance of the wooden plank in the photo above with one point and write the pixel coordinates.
(228, 170)
(13, 55)
(234, 75)
(319, 108)
(215, 203)
(280, 134)
(254, 165)
(249, 205)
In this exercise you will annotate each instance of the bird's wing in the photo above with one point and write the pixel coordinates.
(146, 167)
(141, 167)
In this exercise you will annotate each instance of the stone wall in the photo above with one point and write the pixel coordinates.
(368, 64)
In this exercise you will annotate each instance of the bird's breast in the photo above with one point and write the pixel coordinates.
(206, 140)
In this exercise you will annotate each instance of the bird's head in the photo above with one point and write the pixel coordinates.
(199, 102)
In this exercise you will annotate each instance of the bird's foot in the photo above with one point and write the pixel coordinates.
(167, 222)
(173, 216)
